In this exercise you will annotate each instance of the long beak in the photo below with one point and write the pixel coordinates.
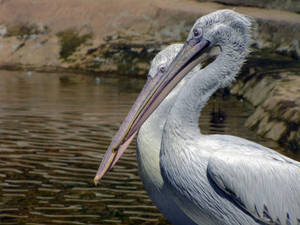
(153, 93)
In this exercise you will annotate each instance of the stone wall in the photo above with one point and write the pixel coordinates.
(273, 87)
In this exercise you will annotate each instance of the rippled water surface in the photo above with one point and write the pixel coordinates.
(54, 130)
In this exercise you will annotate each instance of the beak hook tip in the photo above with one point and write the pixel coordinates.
(96, 180)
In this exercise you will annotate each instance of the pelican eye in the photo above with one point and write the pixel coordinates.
(162, 68)
(197, 32)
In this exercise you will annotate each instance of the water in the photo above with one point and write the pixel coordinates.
(54, 130)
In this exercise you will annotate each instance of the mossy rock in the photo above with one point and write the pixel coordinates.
(70, 40)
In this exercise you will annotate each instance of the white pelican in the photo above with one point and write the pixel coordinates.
(149, 142)
(214, 179)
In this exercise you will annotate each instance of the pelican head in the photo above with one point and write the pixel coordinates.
(225, 30)
(162, 61)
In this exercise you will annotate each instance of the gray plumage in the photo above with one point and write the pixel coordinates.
(221, 179)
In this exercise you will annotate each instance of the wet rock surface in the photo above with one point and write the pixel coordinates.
(274, 89)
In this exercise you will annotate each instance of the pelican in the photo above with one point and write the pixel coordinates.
(213, 179)
(149, 141)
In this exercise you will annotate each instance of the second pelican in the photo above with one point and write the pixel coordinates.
(149, 142)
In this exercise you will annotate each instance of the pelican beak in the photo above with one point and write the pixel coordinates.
(153, 93)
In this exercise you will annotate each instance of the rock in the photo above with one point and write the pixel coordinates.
(255, 118)
(97, 60)
(260, 91)
(276, 95)
(264, 124)
(137, 50)
(91, 50)
(276, 131)
(33, 37)
(290, 50)
(17, 46)
(126, 53)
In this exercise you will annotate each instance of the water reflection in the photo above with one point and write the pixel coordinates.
(54, 130)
